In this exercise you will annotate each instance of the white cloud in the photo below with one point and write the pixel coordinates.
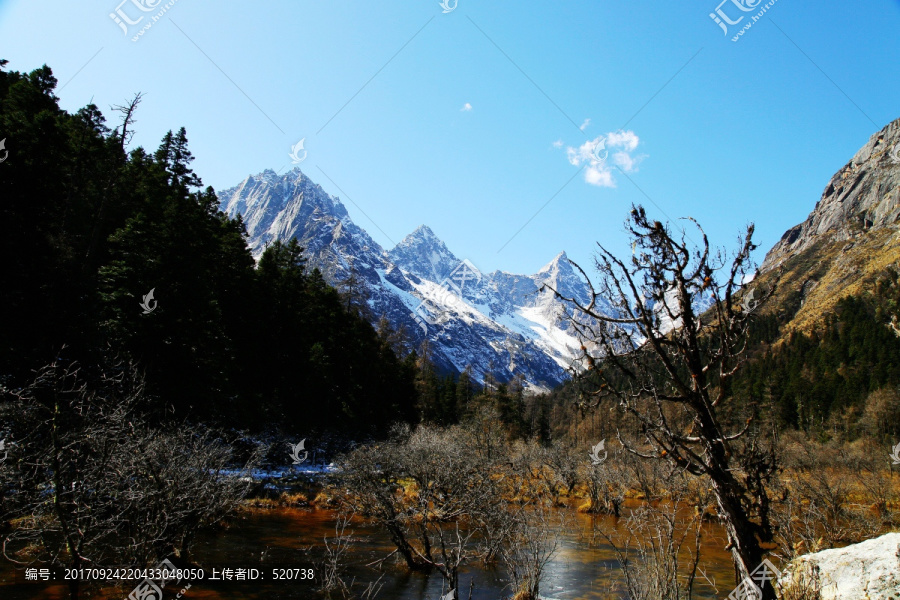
(466, 107)
(626, 162)
(603, 153)
(599, 176)
(626, 139)
(558, 144)
(585, 124)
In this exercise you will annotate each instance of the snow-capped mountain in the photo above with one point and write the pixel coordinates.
(497, 322)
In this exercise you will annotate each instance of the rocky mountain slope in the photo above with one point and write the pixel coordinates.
(495, 323)
(851, 236)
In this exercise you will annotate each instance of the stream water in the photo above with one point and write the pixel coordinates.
(293, 538)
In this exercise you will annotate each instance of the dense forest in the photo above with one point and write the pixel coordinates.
(841, 378)
(91, 227)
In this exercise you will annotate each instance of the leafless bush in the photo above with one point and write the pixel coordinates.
(872, 469)
(660, 553)
(96, 484)
(434, 493)
(832, 494)
(819, 481)
(644, 476)
(332, 567)
(532, 543)
(563, 460)
(371, 486)
(606, 485)
(529, 477)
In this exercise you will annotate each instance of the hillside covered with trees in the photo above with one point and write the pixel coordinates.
(91, 227)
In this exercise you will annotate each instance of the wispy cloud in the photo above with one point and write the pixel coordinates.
(603, 153)
(558, 144)
(466, 107)
(585, 124)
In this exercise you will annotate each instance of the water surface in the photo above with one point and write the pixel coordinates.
(583, 569)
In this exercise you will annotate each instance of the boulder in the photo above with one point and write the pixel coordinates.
(869, 570)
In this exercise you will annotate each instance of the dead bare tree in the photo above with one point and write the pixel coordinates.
(127, 111)
(668, 367)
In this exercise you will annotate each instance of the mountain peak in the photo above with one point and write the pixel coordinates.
(561, 261)
(424, 254)
(273, 205)
(421, 239)
(561, 276)
(423, 231)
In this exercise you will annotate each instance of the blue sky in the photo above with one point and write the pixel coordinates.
(726, 132)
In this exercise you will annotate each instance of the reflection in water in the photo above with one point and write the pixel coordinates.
(581, 570)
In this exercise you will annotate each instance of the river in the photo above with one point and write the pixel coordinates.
(294, 538)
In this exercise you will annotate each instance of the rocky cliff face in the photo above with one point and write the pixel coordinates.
(848, 241)
(862, 197)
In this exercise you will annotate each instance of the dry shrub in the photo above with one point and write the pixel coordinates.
(804, 583)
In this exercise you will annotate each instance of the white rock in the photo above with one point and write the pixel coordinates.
(869, 570)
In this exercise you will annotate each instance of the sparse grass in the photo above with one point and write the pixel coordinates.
(805, 583)
(324, 499)
(293, 499)
(259, 504)
(284, 500)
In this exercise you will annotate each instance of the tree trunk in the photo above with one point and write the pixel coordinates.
(73, 588)
(406, 550)
(454, 582)
(746, 552)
